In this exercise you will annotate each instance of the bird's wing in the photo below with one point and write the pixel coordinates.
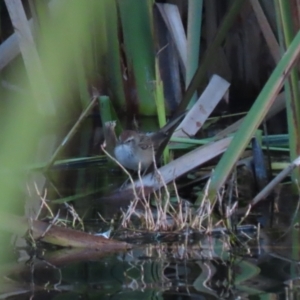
(145, 141)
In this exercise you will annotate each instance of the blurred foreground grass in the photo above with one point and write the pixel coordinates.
(63, 43)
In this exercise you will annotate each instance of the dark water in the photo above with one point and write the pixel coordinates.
(206, 269)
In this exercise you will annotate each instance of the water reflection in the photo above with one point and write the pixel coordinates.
(206, 269)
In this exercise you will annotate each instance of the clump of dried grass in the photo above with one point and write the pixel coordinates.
(159, 213)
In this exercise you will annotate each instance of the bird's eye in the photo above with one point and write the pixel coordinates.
(128, 141)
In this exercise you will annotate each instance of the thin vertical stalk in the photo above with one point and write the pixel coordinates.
(160, 104)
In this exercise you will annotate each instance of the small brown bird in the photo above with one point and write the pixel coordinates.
(133, 147)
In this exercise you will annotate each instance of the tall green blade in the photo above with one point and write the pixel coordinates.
(139, 50)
